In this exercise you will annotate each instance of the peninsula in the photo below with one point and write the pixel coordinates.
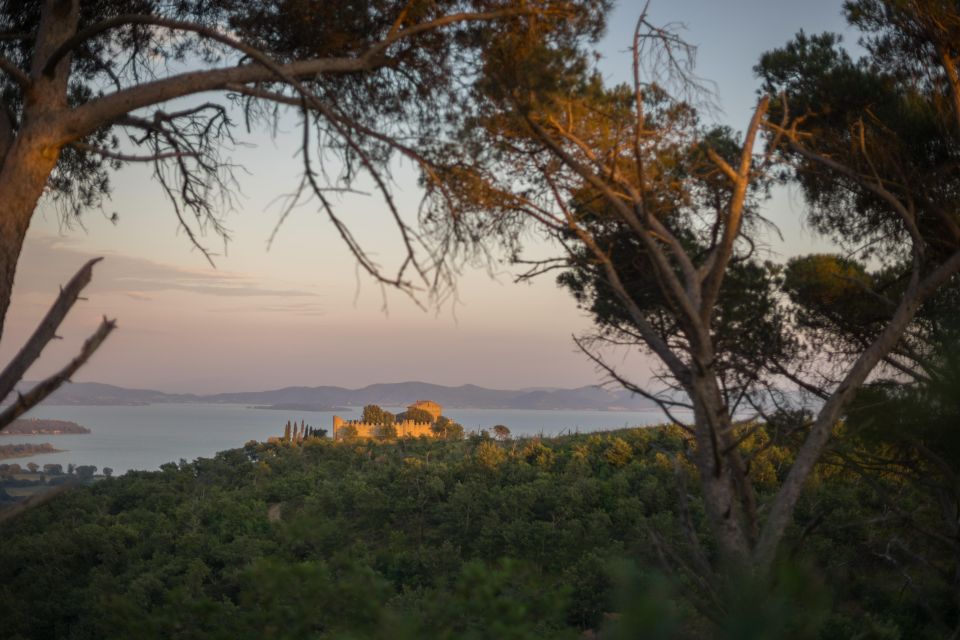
(26, 450)
(38, 426)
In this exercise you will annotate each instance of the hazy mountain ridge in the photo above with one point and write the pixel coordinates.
(388, 394)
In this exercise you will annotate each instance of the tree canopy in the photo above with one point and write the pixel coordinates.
(659, 223)
(417, 415)
(374, 414)
(427, 538)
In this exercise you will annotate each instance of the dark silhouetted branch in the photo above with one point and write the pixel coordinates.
(44, 388)
(129, 157)
(46, 330)
(15, 72)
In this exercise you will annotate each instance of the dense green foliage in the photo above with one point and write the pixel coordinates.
(446, 428)
(443, 426)
(417, 415)
(426, 538)
(373, 414)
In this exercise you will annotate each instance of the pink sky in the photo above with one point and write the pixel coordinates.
(299, 314)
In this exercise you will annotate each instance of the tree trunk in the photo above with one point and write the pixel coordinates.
(782, 508)
(22, 180)
(721, 498)
(32, 154)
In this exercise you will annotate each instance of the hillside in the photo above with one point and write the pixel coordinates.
(555, 538)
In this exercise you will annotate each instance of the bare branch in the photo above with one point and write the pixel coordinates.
(191, 147)
(950, 67)
(656, 343)
(15, 72)
(91, 115)
(665, 271)
(875, 186)
(38, 393)
(126, 157)
(639, 125)
(664, 405)
(715, 267)
(47, 329)
(724, 165)
(6, 131)
(779, 369)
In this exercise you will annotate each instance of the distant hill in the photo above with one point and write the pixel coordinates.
(466, 396)
(95, 393)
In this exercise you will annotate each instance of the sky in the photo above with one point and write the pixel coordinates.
(300, 313)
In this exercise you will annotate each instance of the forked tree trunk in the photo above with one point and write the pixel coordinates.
(722, 500)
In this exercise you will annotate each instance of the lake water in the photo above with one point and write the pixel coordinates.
(125, 438)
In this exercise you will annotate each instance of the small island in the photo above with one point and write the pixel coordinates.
(26, 450)
(39, 426)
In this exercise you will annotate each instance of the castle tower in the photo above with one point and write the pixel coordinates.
(337, 423)
(429, 406)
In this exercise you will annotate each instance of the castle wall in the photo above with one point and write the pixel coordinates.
(405, 429)
(411, 429)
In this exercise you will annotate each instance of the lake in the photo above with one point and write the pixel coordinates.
(145, 437)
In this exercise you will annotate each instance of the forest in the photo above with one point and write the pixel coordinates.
(807, 482)
(480, 538)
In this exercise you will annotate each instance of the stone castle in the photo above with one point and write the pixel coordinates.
(405, 428)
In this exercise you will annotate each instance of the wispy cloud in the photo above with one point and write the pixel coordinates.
(311, 309)
(48, 261)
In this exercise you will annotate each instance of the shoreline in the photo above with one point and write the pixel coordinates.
(10, 451)
(44, 427)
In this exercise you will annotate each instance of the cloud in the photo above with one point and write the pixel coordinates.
(311, 309)
(48, 261)
(212, 286)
